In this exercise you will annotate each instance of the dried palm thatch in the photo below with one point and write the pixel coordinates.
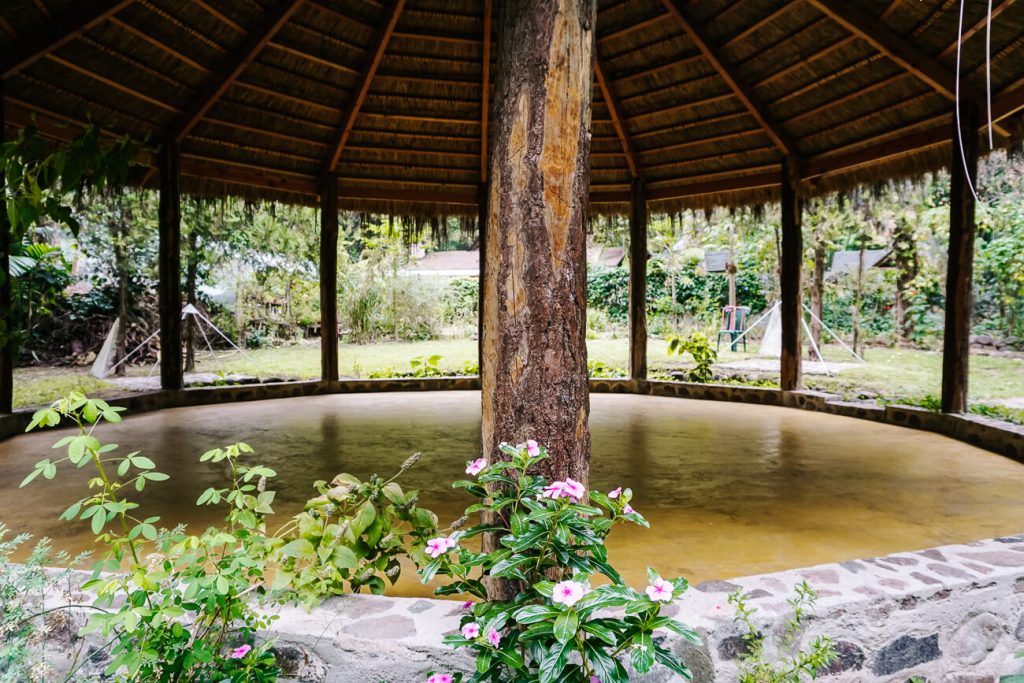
(700, 100)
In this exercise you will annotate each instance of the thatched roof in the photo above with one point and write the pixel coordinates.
(700, 99)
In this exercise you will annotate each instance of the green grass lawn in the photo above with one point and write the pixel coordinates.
(899, 374)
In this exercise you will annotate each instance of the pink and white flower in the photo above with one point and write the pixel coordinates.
(240, 652)
(440, 678)
(568, 593)
(532, 448)
(474, 467)
(493, 637)
(628, 510)
(615, 493)
(573, 489)
(660, 590)
(436, 547)
(471, 631)
(553, 490)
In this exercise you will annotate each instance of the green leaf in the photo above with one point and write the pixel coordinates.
(143, 463)
(642, 654)
(673, 663)
(299, 548)
(99, 520)
(363, 518)
(565, 626)
(531, 614)
(344, 558)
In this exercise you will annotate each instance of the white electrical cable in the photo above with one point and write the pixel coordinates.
(988, 72)
(956, 103)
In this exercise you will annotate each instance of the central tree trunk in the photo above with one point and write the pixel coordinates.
(534, 354)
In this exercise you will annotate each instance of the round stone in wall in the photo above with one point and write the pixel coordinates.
(976, 638)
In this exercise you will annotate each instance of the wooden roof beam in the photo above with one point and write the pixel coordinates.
(755, 108)
(881, 37)
(53, 34)
(229, 72)
(613, 109)
(996, 11)
(365, 78)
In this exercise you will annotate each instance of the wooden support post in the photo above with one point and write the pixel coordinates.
(789, 276)
(329, 278)
(534, 374)
(6, 303)
(637, 280)
(170, 267)
(960, 269)
(482, 196)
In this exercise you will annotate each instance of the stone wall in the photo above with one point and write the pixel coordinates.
(951, 615)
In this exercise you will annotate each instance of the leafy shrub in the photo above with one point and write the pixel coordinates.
(550, 545)
(425, 366)
(699, 347)
(597, 369)
(354, 532)
(23, 626)
(755, 666)
(184, 607)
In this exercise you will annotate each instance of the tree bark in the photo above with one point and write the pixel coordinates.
(817, 298)
(121, 229)
(329, 279)
(789, 279)
(534, 374)
(638, 281)
(7, 321)
(170, 267)
(960, 274)
(191, 268)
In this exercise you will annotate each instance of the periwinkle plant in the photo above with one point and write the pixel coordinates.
(552, 545)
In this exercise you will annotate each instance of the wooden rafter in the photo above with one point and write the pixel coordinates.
(53, 34)
(755, 108)
(875, 32)
(996, 11)
(613, 109)
(365, 78)
(229, 72)
(485, 86)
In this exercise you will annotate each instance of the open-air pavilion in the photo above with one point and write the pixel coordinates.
(387, 107)
(529, 117)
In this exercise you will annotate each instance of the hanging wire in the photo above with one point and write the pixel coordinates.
(988, 72)
(956, 103)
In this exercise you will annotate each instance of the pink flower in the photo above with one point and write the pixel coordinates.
(440, 678)
(553, 490)
(240, 652)
(436, 547)
(493, 637)
(450, 543)
(532, 448)
(628, 510)
(568, 593)
(474, 468)
(467, 605)
(660, 590)
(595, 679)
(573, 489)
(471, 631)
(615, 493)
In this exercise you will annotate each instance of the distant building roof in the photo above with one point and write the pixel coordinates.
(455, 263)
(849, 261)
(607, 257)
